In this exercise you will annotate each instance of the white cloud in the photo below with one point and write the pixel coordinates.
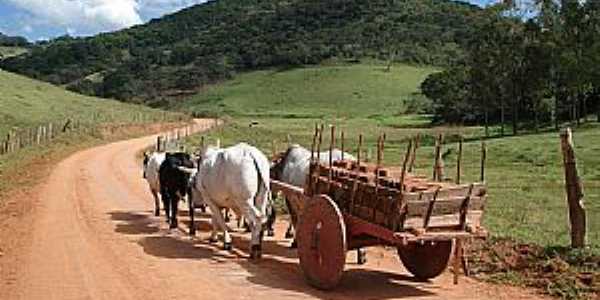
(83, 15)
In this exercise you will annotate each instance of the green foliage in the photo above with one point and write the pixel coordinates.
(515, 66)
(179, 53)
(13, 41)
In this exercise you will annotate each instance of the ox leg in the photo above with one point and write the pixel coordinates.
(166, 200)
(174, 208)
(289, 233)
(256, 225)
(361, 256)
(192, 223)
(156, 203)
(271, 222)
(227, 219)
(218, 222)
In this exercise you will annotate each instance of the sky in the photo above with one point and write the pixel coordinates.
(46, 19)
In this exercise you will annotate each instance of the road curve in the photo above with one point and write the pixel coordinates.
(90, 234)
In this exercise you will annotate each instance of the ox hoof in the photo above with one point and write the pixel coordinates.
(173, 225)
(255, 252)
(192, 231)
(289, 235)
(156, 213)
(227, 246)
(271, 232)
(361, 258)
(212, 240)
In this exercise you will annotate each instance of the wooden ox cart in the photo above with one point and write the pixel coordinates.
(350, 205)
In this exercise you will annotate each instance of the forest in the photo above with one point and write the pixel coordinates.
(529, 66)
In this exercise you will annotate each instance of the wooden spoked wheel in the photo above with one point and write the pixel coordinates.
(321, 239)
(426, 260)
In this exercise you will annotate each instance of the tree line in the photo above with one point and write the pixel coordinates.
(529, 64)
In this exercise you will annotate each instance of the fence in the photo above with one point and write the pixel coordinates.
(20, 138)
(171, 141)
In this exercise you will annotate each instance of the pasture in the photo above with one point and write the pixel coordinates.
(6, 52)
(26, 103)
(524, 173)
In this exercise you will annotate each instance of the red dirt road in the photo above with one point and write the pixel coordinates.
(88, 233)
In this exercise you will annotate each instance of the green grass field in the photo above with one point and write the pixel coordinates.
(351, 91)
(524, 174)
(6, 52)
(26, 102)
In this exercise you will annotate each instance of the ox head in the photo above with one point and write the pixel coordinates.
(279, 161)
(181, 159)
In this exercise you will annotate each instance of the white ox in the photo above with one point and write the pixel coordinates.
(238, 178)
(152, 165)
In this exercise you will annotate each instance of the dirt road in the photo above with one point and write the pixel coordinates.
(88, 233)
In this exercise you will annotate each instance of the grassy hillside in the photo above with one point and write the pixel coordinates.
(209, 42)
(525, 175)
(6, 52)
(351, 91)
(25, 103)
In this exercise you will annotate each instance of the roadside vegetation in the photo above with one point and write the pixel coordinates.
(26, 103)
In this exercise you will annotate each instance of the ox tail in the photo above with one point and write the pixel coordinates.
(262, 198)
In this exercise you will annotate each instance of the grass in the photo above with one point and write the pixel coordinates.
(350, 91)
(27, 103)
(6, 52)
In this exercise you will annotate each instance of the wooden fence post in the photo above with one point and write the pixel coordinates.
(483, 159)
(438, 169)
(574, 190)
(459, 159)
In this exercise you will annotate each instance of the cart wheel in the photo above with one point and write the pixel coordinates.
(427, 260)
(321, 238)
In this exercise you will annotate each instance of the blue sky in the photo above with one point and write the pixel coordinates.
(44, 19)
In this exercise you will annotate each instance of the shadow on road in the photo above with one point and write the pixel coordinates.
(278, 269)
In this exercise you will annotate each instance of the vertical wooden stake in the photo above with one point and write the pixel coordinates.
(377, 166)
(399, 206)
(342, 144)
(437, 176)
(331, 147)
(483, 159)
(459, 159)
(574, 190)
(311, 166)
(359, 151)
(411, 165)
(318, 162)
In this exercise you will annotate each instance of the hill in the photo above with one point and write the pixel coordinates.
(179, 53)
(26, 103)
(6, 51)
(348, 91)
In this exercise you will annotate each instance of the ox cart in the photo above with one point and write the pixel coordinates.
(348, 205)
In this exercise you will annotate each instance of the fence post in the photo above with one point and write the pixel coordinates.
(483, 159)
(574, 190)
(459, 159)
(438, 168)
